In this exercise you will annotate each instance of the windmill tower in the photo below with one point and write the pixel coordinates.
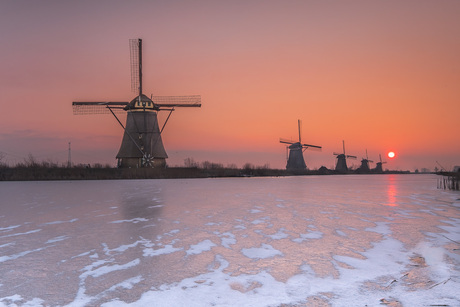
(141, 145)
(378, 168)
(364, 168)
(296, 149)
(341, 165)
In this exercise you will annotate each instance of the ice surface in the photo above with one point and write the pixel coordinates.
(309, 241)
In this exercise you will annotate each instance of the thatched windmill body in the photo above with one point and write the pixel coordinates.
(296, 160)
(141, 145)
(341, 165)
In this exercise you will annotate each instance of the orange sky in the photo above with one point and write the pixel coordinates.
(381, 75)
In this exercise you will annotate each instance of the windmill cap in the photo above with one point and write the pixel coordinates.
(141, 102)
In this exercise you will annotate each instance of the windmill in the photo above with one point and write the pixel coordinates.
(364, 168)
(341, 165)
(296, 149)
(141, 145)
(378, 168)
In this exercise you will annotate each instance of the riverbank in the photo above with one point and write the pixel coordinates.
(82, 173)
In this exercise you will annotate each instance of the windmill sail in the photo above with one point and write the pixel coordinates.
(160, 102)
(135, 52)
(87, 108)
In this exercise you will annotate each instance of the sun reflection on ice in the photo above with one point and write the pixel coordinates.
(391, 192)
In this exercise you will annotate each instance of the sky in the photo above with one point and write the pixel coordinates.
(380, 75)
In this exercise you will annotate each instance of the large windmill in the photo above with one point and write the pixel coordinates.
(296, 149)
(141, 145)
(341, 165)
(364, 168)
(378, 168)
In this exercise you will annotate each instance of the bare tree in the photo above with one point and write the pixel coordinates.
(189, 162)
(232, 166)
(265, 166)
(2, 156)
(30, 161)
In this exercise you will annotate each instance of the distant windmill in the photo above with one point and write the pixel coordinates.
(296, 149)
(364, 168)
(341, 165)
(378, 168)
(141, 145)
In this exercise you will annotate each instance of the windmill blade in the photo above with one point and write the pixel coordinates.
(87, 108)
(336, 154)
(352, 157)
(179, 105)
(101, 103)
(308, 145)
(286, 141)
(191, 101)
(135, 51)
(315, 148)
(299, 123)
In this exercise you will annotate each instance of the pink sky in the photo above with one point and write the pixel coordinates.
(381, 75)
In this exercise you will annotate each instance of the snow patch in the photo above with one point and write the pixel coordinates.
(134, 221)
(265, 251)
(167, 249)
(203, 246)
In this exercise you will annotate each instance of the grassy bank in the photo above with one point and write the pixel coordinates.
(82, 173)
(30, 173)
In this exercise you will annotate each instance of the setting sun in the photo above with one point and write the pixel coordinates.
(391, 155)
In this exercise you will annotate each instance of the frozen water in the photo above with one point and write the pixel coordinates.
(307, 240)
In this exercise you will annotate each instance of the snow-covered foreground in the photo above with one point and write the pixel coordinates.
(306, 241)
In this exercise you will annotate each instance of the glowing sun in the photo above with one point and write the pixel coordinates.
(391, 155)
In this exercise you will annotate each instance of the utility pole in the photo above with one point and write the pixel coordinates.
(69, 158)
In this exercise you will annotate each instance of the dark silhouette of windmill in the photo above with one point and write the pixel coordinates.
(378, 168)
(341, 165)
(296, 149)
(141, 145)
(364, 168)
